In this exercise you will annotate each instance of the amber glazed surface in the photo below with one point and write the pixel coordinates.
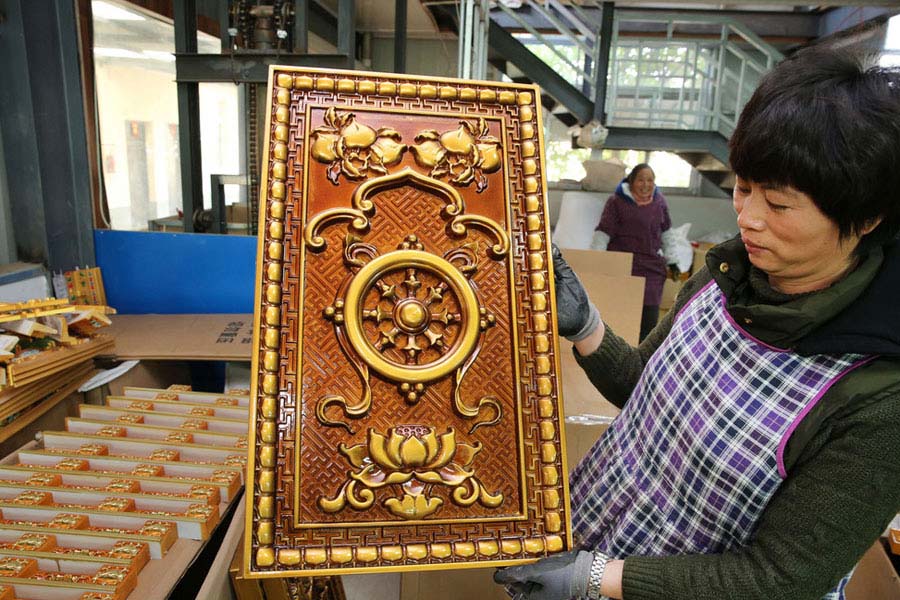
(406, 402)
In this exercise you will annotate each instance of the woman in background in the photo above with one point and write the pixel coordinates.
(635, 219)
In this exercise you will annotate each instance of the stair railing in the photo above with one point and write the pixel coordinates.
(716, 79)
(551, 41)
(673, 82)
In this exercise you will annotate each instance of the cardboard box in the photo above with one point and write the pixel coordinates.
(619, 297)
(700, 256)
(588, 263)
(183, 337)
(875, 577)
(894, 540)
(669, 293)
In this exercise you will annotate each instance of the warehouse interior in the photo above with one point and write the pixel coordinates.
(133, 140)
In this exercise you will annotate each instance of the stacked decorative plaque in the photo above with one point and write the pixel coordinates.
(407, 400)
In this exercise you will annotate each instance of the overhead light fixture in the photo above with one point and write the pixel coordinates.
(111, 12)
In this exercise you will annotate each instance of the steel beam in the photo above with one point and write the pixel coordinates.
(223, 17)
(399, 36)
(669, 140)
(346, 28)
(45, 141)
(247, 68)
(301, 26)
(600, 74)
(188, 116)
(841, 19)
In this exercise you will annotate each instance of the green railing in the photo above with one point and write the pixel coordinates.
(669, 78)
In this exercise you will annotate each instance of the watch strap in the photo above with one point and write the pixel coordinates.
(598, 567)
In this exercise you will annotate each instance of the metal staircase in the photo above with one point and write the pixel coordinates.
(674, 81)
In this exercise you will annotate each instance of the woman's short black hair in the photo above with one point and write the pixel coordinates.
(637, 169)
(825, 124)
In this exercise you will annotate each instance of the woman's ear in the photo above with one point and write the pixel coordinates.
(870, 226)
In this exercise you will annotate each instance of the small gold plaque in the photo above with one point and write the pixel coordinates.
(407, 408)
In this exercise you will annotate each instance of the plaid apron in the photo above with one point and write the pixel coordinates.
(691, 462)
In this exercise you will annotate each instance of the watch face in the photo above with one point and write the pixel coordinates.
(406, 402)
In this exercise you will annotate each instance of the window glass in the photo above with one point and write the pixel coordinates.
(137, 104)
(890, 56)
(641, 75)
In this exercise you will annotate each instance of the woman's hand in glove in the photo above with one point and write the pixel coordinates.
(557, 577)
(577, 318)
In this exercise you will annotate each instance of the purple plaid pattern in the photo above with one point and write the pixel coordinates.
(692, 461)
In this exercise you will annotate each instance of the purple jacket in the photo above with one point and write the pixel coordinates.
(638, 229)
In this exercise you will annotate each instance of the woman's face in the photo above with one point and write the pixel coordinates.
(788, 237)
(643, 184)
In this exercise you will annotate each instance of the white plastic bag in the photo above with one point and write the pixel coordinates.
(677, 249)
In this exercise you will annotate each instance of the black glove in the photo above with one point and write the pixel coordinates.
(558, 577)
(576, 315)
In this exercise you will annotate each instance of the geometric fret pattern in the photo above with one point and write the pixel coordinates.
(407, 410)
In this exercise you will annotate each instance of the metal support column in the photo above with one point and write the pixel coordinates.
(399, 36)
(226, 41)
(346, 26)
(301, 26)
(602, 67)
(45, 142)
(185, 12)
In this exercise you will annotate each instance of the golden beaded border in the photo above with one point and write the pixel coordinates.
(270, 330)
(270, 335)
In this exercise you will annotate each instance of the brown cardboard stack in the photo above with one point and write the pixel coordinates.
(122, 500)
(619, 297)
(46, 352)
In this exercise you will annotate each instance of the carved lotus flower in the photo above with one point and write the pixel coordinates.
(415, 458)
(354, 148)
(464, 154)
(412, 451)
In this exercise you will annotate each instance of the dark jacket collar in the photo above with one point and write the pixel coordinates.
(858, 314)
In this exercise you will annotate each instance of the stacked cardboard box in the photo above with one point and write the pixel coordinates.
(131, 487)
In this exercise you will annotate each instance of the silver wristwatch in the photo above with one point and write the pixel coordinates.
(598, 566)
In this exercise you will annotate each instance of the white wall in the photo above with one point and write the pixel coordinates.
(706, 215)
(433, 57)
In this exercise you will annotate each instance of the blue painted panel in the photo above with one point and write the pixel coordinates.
(171, 273)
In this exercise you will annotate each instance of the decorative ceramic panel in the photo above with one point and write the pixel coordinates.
(407, 407)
